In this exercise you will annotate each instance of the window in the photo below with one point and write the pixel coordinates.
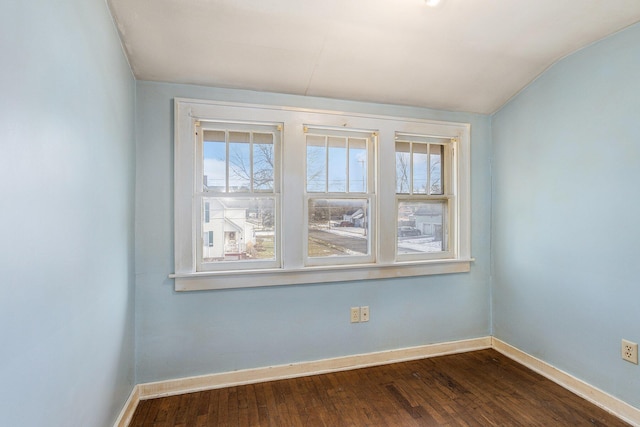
(236, 165)
(268, 195)
(207, 239)
(423, 197)
(339, 196)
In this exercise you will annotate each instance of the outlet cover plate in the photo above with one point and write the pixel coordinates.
(364, 314)
(630, 351)
(355, 314)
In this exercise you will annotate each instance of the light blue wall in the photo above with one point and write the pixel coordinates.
(565, 164)
(66, 218)
(183, 334)
(566, 211)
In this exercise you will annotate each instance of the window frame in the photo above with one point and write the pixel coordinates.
(447, 195)
(293, 269)
(202, 197)
(371, 137)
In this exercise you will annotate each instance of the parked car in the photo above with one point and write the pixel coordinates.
(345, 224)
(408, 231)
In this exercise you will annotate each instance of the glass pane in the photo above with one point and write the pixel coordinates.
(403, 167)
(419, 163)
(435, 169)
(338, 227)
(239, 161)
(215, 158)
(316, 164)
(357, 165)
(263, 157)
(337, 165)
(207, 239)
(421, 227)
(239, 229)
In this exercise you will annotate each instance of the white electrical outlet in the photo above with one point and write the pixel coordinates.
(630, 351)
(355, 314)
(364, 314)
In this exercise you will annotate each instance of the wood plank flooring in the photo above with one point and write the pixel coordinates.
(482, 388)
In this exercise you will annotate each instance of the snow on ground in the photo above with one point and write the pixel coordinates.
(405, 244)
(419, 244)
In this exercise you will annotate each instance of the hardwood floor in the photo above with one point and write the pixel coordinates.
(482, 388)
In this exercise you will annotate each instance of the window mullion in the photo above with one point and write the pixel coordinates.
(326, 164)
(227, 152)
(198, 201)
(251, 183)
(428, 189)
(411, 168)
(347, 177)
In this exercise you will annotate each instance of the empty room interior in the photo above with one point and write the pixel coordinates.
(209, 193)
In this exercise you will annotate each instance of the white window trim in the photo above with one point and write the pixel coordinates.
(449, 194)
(293, 270)
(200, 195)
(368, 195)
(334, 261)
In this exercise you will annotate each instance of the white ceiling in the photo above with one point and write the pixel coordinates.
(465, 55)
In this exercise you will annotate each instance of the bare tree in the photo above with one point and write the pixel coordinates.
(403, 175)
(263, 165)
(403, 172)
(435, 181)
(316, 167)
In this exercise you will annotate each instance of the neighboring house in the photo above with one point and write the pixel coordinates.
(226, 233)
(429, 222)
(355, 217)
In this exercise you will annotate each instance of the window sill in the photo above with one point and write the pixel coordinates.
(211, 280)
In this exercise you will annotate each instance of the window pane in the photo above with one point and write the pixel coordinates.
(207, 239)
(403, 167)
(316, 164)
(357, 165)
(239, 161)
(419, 163)
(435, 169)
(338, 227)
(239, 229)
(337, 165)
(263, 158)
(215, 158)
(421, 227)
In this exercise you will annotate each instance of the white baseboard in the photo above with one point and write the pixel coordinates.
(594, 395)
(250, 376)
(588, 392)
(129, 408)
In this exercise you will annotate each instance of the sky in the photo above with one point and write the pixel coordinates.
(342, 162)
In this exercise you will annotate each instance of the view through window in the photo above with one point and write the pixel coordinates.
(238, 193)
(338, 168)
(423, 205)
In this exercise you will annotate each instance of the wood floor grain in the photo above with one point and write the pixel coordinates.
(481, 388)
